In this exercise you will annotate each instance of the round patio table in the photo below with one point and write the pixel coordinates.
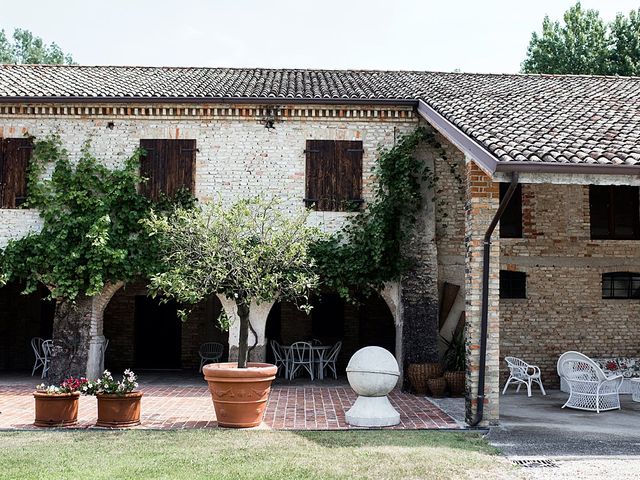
(319, 351)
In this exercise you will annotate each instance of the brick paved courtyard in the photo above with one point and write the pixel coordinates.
(184, 402)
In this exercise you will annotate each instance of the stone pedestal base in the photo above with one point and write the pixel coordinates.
(372, 412)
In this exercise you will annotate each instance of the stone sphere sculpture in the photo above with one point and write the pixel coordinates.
(372, 373)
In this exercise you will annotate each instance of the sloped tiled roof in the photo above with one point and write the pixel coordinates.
(518, 118)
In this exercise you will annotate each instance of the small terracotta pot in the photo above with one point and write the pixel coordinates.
(239, 394)
(437, 386)
(56, 410)
(419, 373)
(118, 411)
(455, 382)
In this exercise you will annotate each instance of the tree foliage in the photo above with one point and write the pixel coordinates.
(27, 48)
(585, 44)
(92, 232)
(368, 251)
(249, 251)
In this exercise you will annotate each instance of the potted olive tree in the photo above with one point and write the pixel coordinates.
(251, 252)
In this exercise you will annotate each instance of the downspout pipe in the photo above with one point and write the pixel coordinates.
(484, 319)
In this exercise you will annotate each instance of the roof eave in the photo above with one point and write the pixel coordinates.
(226, 100)
(480, 155)
(568, 168)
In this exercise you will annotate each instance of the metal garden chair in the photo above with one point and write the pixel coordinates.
(281, 357)
(210, 352)
(332, 357)
(521, 373)
(36, 345)
(300, 357)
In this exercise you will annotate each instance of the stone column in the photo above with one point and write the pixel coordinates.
(392, 295)
(95, 360)
(482, 200)
(258, 313)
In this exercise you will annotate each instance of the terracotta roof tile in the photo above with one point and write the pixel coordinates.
(548, 118)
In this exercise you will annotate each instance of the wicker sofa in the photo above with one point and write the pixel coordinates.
(629, 367)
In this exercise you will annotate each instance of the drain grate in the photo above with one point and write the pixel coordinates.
(536, 463)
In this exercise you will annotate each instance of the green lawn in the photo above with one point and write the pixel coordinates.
(233, 454)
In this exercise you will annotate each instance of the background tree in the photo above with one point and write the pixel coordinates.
(625, 38)
(250, 252)
(27, 48)
(585, 44)
(91, 243)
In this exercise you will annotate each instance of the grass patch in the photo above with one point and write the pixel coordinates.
(235, 454)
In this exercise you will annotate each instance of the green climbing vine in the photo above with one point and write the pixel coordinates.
(368, 251)
(91, 233)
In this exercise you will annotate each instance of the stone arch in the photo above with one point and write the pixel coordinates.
(132, 316)
(370, 322)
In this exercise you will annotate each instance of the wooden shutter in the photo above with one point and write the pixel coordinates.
(348, 191)
(14, 162)
(319, 174)
(333, 174)
(169, 166)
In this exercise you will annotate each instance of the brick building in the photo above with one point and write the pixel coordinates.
(562, 269)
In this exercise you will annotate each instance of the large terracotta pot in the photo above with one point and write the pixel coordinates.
(239, 394)
(56, 410)
(118, 411)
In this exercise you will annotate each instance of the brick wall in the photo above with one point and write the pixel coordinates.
(237, 157)
(564, 309)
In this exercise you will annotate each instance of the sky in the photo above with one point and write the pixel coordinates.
(470, 35)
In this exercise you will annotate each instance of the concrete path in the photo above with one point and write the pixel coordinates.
(550, 442)
(560, 443)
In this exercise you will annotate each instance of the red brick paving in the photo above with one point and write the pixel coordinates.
(189, 406)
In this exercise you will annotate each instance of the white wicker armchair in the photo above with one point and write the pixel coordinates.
(589, 387)
(521, 373)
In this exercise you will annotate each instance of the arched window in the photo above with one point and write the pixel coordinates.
(621, 285)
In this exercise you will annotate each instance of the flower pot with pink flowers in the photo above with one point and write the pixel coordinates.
(57, 405)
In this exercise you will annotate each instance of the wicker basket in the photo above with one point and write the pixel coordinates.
(419, 373)
(437, 386)
(455, 382)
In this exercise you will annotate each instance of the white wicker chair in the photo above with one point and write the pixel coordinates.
(589, 387)
(521, 373)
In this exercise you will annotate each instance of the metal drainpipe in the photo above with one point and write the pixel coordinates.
(484, 320)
